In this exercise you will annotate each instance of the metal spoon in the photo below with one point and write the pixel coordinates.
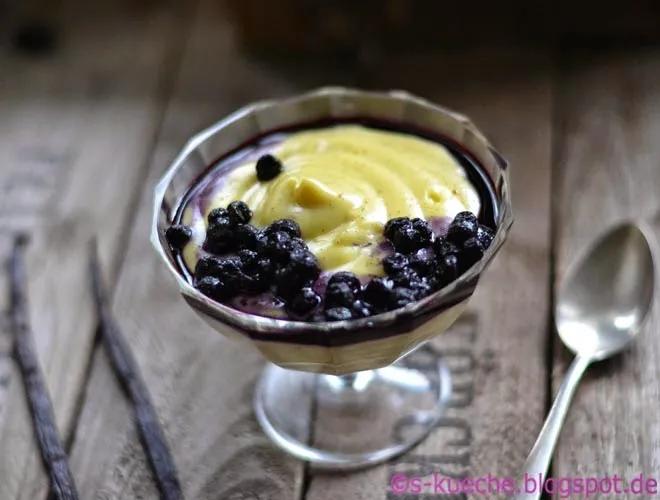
(601, 306)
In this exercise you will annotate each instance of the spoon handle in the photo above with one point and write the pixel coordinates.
(536, 465)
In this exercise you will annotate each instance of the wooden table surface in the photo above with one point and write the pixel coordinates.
(86, 131)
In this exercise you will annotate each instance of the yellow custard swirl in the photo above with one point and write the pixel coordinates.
(343, 183)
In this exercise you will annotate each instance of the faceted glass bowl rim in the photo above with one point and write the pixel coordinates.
(248, 321)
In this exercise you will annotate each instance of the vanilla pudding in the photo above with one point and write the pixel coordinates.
(340, 184)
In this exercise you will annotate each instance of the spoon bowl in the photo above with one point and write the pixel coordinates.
(607, 293)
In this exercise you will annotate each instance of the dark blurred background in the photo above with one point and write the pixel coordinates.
(369, 28)
(362, 31)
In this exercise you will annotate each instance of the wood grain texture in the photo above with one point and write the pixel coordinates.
(497, 354)
(201, 383)
(75, 131)
(608, 169)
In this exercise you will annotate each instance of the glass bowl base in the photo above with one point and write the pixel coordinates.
(357, 420)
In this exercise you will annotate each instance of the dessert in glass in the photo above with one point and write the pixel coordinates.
(336, 232)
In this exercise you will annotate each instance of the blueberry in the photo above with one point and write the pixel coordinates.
(464, 226)
(238, 212)
(339, 294)
(213, 265)
(288, 226)
(448, 268)
(301, 271)
(285, 284)
(280, 246)
(178, 235)
(228, 263)
(246, 236)
(423, 262)
(338, 314)
(304, 302)
(205, 266)
(268, 167)
(252, 283)
(215, 214)
(423, 287)
(394, 226)
(394, 263)
(346, 277)
(277, 245)
(378, 293)
(466, 216)
(485, 236)
(219, 236)
(304, 264)
(402, 236)
(423, 230)
(227, 268)
(265, 267)
(405, 241)
(443, 246)
(360, 309)
(404, 277)
(257, 272)
(408, 235)
(249, 259)
(243, 272)
(278, 237)
(262, 245)
(401, 296)
(296, 246)
(420, 286)
(214, 288)
(472, 252)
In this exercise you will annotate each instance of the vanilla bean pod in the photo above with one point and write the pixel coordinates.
(52, 452)
(126, 369)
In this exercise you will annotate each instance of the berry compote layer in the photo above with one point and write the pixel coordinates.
(333, 222)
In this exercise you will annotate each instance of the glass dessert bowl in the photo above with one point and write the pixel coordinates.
(323, 164)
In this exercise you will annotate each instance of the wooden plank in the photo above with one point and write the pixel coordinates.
(75, 132)
(497, 352)
(201, 383)
(608, 170)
